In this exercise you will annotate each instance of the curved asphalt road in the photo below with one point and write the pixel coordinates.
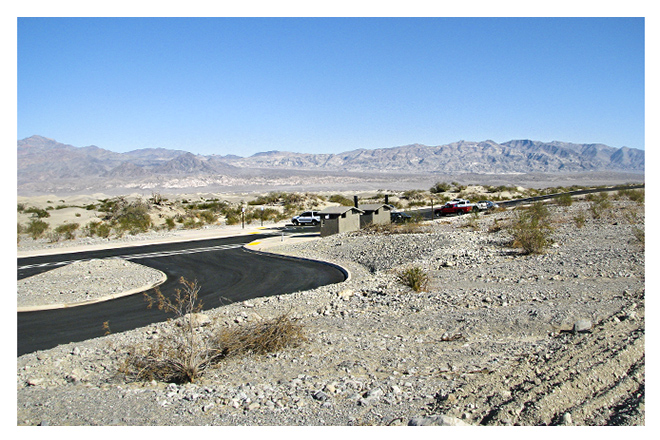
(226, 273)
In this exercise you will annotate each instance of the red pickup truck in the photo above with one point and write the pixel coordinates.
(458, 206)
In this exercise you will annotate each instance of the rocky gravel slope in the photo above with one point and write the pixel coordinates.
(498, 338)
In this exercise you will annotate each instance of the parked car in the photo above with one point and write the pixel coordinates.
(485, 205)
(456, 206)
(307, 218)
(400, 217)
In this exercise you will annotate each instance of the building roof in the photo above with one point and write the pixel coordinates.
(374, 206)
(339, 210)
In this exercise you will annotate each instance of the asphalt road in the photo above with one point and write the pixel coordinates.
(225, 271)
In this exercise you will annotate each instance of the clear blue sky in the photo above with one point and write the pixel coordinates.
(324, 85)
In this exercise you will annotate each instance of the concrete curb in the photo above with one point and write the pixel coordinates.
(141, 289)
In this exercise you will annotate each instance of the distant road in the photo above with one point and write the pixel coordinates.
(427, 213)
(225, 271)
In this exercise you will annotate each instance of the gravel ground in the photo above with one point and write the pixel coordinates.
(86, 281)
(497, 338)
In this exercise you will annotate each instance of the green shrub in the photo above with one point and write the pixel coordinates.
(97, 228)
(169, 223)
(124, 216)
(37, 212)
(338, 198)
(440, 187)
(635, 195)
(68, 230)
(36, 228)
(564, 199)
(600, 204)
(579, 219)
(414, 277)
(531, 229)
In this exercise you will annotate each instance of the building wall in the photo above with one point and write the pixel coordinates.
(336, 225)
(382, 218)
(350, 223)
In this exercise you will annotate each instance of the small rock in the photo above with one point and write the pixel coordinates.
(567, 419)
(320, 396)
(345, 294)
(582, 326)
(198, 319)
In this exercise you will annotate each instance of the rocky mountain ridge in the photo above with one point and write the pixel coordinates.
(45, 164)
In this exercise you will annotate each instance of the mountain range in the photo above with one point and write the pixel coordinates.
(45, 165)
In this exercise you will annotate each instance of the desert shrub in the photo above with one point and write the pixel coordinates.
(36, 228)
(207, 216)
(635, 195)
(157, 199)
(440, 187)
(472, 221)
(496, 226)
(185, 354)
(530, 229)
(638, 233)
(68, 230)
(261, 337)
(37, 212)
(600, 203)
(580, 219)
(20, 207)
(413, 195)
(97, 228)
(124, 216)
(170, 223)
(414, 277)
(338, 198)
(564, 199)
(182, 355)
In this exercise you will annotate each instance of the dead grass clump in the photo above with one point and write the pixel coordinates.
(411, 227)
(187, 351)
(262, 337)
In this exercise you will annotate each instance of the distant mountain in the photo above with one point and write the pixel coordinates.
(520, 156)
(46, 165)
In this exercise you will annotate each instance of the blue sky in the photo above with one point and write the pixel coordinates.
(327, 85)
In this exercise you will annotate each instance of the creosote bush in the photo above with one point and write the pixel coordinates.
(36, 228)
(186, 352)
(415, 277)
(531, 229)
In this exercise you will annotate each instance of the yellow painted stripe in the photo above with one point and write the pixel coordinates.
(254, 243)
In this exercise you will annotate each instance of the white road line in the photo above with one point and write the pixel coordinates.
(139, 256)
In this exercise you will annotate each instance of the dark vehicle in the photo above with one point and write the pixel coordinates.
(400, 217)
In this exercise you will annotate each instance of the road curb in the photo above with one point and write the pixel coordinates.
(141, 289)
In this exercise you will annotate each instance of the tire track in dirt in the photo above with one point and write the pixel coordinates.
(596, 377)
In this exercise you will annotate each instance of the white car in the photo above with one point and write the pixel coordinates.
(307, 218)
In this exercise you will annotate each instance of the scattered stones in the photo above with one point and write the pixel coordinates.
(378, 352)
